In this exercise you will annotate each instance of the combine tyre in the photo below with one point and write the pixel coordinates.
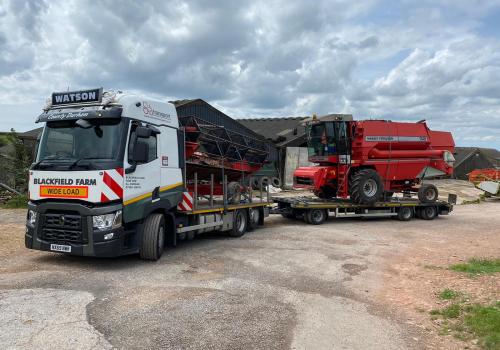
(366, 187)
(428, 193)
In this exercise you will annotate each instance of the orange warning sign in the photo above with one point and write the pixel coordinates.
(64, 191)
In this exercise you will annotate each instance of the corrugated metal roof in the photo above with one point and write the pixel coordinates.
(463, 153)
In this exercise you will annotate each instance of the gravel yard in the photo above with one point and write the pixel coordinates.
(348, 284)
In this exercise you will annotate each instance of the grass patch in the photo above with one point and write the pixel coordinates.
(474, 201)
(16, 202)
(478, 266)
(484, 321)
(452, 311)
(470, 321)
(448, 294)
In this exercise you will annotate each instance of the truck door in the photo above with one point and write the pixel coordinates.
(142, 186)
(171, 170)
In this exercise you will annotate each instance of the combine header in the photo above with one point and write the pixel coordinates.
(487, 180)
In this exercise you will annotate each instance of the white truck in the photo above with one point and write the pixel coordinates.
(109, 179)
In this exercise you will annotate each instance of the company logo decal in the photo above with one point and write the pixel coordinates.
(71, 97)
(396, 138)
(150, 112)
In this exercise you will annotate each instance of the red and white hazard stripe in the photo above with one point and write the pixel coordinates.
(187, 202)
(112, 188)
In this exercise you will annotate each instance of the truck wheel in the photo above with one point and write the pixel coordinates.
(366, 187)
(240, 223)
(153, 237)
(428, 213)
(316, 216)
(428, 193)
(405, 213)
(253, 218)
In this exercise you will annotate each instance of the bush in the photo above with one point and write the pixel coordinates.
(16, 202)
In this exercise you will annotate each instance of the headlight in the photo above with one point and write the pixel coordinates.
(107, 221)
(31, 219)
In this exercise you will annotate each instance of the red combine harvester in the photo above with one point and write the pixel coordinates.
(370, 160)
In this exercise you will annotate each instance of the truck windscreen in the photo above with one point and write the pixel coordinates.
(69, 142)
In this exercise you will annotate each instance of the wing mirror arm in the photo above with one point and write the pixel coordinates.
(131, 168)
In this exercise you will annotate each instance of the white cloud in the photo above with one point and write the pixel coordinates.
(411, 60)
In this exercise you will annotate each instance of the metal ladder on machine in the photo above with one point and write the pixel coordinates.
(342, 174)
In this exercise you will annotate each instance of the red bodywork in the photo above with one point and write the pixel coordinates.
(399, 152)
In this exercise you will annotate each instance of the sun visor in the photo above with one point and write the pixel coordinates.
(54, 115)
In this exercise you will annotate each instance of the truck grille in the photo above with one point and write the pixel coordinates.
(55, 235)
(73, 222)
(60, 227)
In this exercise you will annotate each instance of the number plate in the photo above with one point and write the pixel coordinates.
(60, 248)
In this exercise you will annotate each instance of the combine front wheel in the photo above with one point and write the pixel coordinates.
(366, 187)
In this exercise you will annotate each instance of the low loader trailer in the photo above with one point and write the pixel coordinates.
(119, 174)
(316, 211)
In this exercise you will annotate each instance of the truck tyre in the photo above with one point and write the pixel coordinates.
(240, 223)
(153, 237)
(428, 212)
(405, 213)
(316, 216)
(366, 187)
(428, 193)
(253, 218)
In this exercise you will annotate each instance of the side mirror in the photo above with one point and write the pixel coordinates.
(143, 132)
(140, 153)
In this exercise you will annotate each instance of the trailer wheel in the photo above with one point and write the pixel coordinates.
(253, 218)
(366, 187)
(240, 223)
(428, 193)
(153, 237)
(405, 213)
(428, 213)
(316, 216)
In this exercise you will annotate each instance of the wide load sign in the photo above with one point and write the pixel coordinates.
(92, 186)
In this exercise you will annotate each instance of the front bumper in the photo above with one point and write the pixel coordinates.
(90, 243)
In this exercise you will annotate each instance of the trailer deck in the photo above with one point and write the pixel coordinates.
(315, 210)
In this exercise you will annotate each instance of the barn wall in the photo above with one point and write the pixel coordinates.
(476, 161)
(295, 157)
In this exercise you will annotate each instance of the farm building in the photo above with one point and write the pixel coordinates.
(470, 158)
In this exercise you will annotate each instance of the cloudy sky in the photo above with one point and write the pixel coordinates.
(425, 59)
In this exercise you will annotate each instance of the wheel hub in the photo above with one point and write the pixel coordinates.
(370, 188)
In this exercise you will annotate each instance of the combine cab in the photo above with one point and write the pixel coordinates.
(370, 160)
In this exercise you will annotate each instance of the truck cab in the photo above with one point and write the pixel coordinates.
(105, 160)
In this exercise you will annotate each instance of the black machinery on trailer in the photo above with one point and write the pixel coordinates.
(316, 211)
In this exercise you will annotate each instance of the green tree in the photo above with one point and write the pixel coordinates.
(17, 162)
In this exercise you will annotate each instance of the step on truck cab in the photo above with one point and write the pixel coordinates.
(109, 180)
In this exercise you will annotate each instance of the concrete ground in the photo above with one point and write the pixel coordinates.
(287, 285)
